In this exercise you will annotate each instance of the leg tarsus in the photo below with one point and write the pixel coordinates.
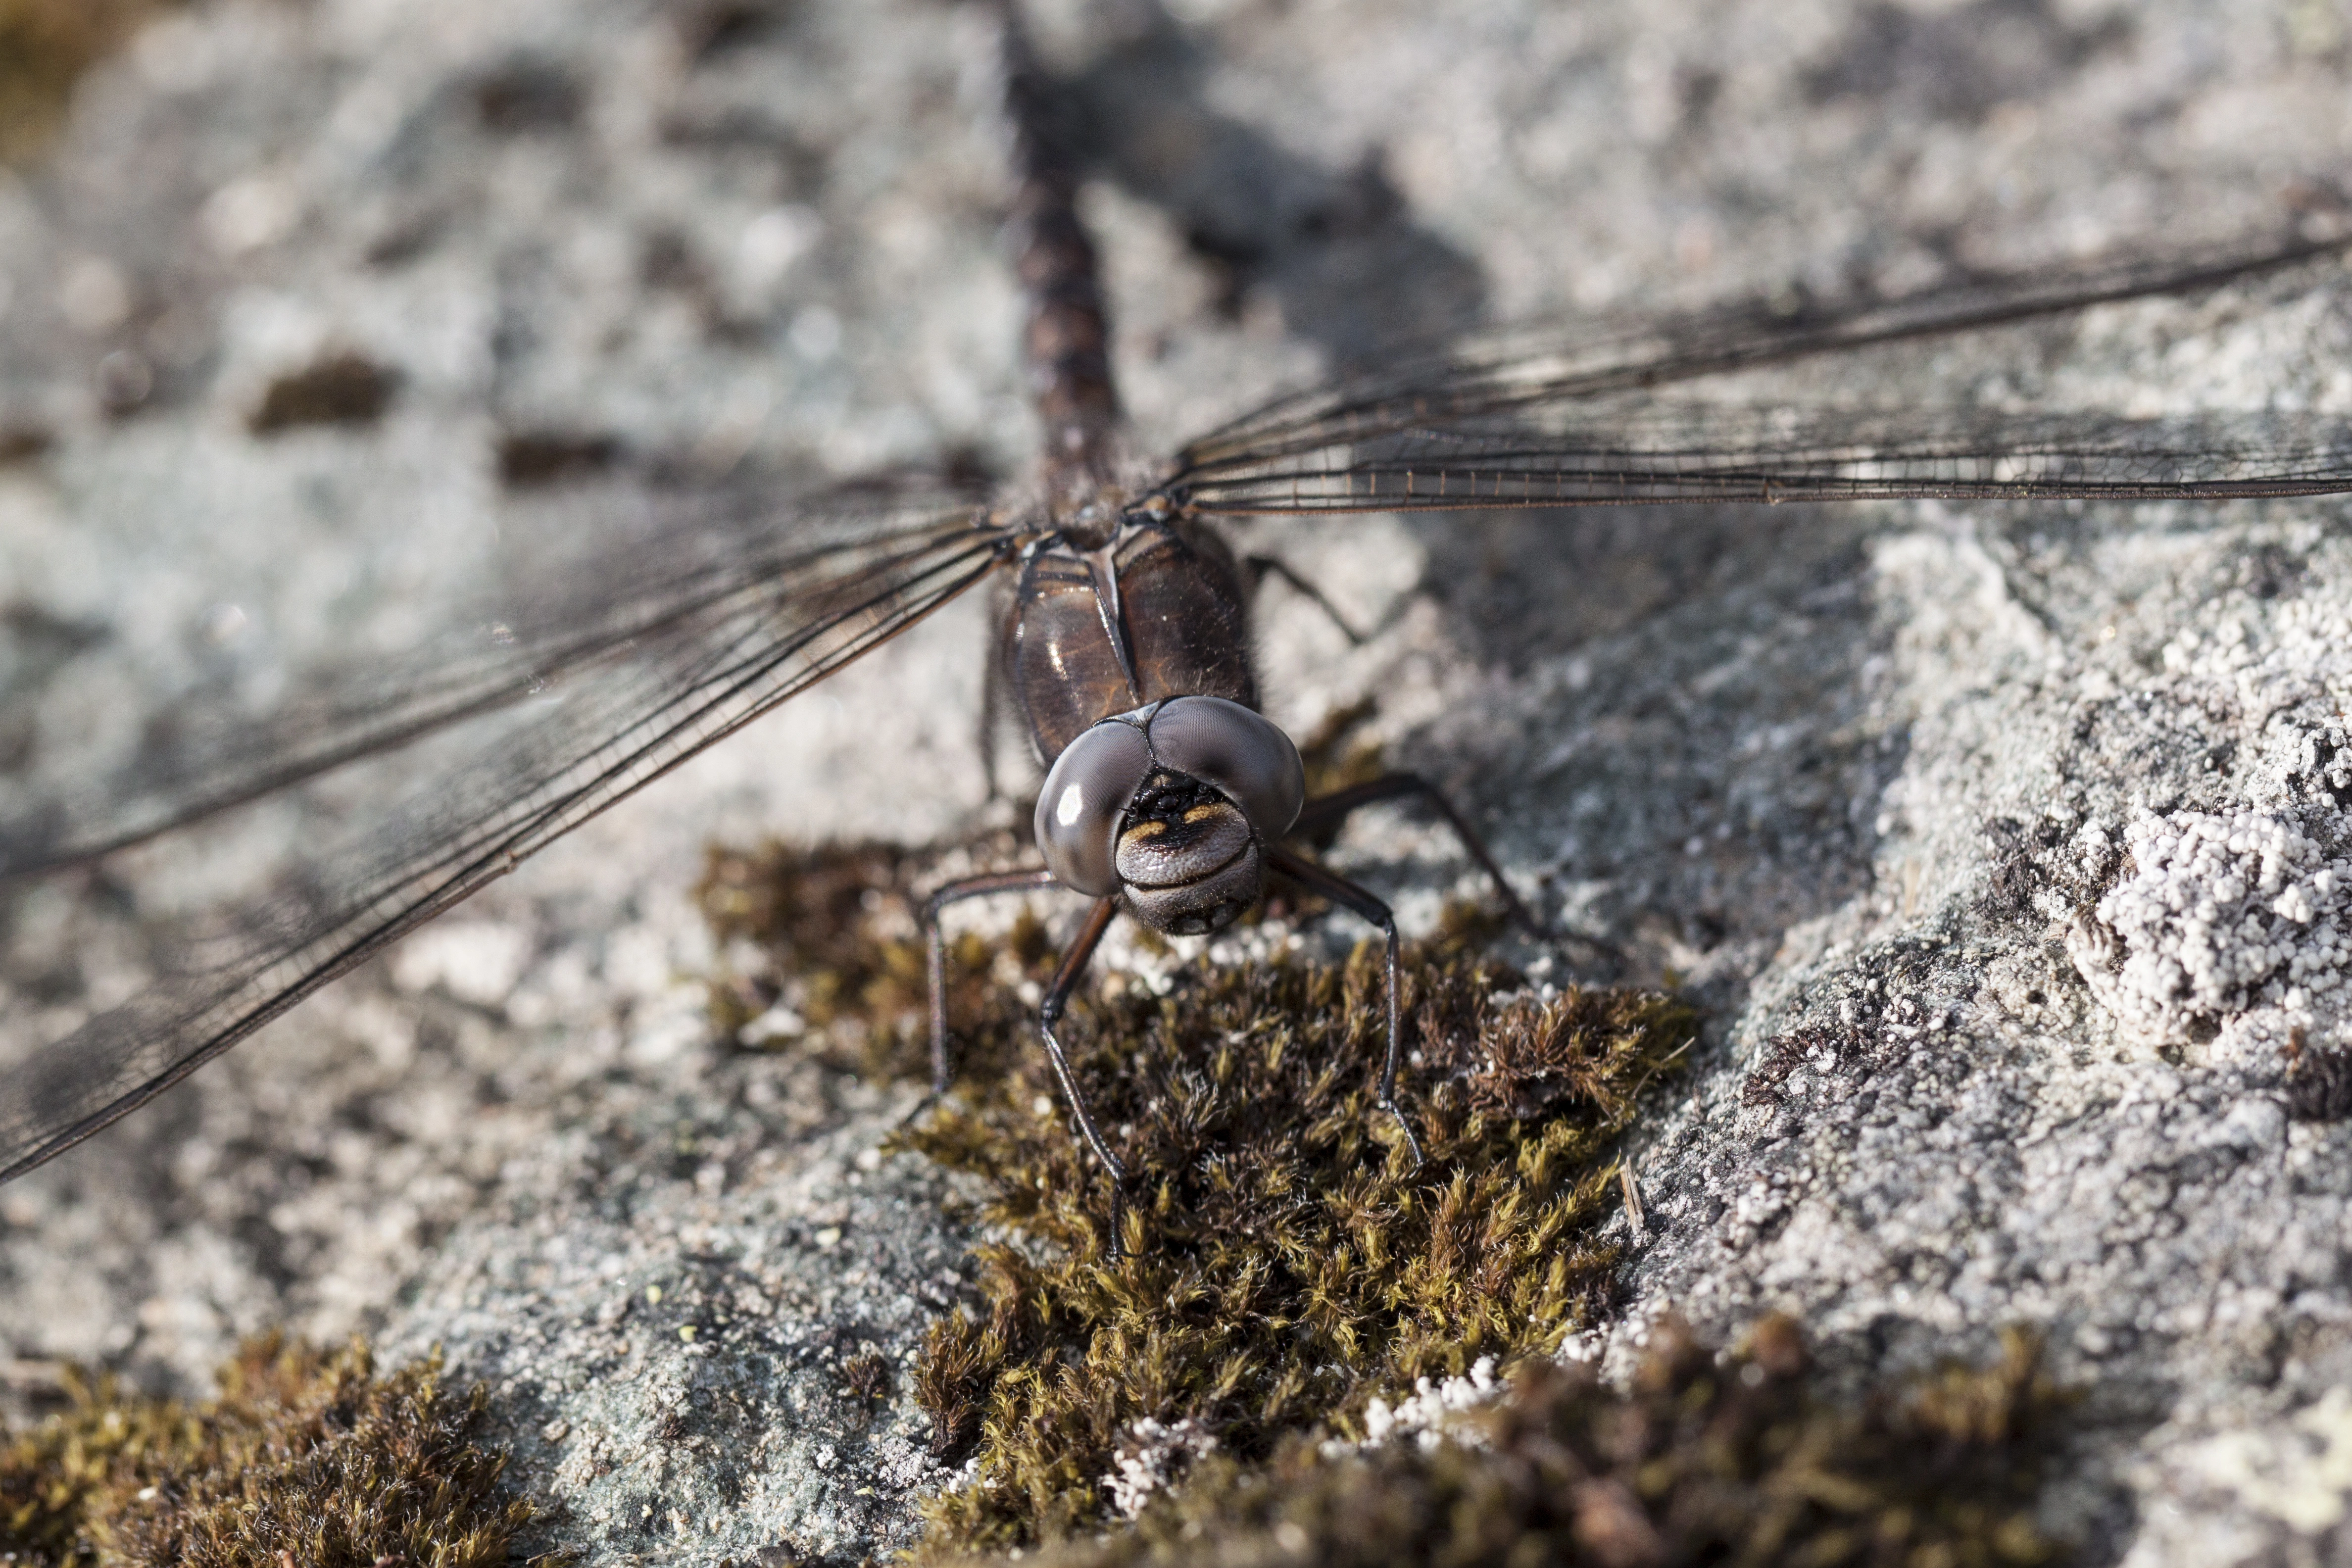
(926, 1103)
(1329, 884)
(1411, 1144)
(1049, 1013)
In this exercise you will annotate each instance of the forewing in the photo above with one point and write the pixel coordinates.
(1949, 393)
(585, 580)
(729, 642)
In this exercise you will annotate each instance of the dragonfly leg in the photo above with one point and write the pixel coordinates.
(1049, 1013)
(936, 941)
(991, 716)
(1328, 810)
(1330, 885)
(1260, 567)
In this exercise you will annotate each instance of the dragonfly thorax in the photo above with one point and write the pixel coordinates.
(1158, 609)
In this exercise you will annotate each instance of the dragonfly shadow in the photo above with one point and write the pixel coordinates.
(1690, 718)
(1962, 62)
(1338, 249)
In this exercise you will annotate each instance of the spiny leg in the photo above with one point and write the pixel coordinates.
(1057, 996)
(1326, 810)
(1260, 567)
(1340, 890)
(991, 716)
(935, 940)
(1049, 1013)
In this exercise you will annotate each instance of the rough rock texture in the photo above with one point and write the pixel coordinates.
(2002, 844)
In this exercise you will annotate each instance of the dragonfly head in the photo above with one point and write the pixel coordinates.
(1172, 808)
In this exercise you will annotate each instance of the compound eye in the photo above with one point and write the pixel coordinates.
(1086, 795)
(1242, 752)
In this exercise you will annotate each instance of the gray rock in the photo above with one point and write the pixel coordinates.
(699, 1351)
(1991, 837)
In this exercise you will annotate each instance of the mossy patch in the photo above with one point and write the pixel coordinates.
(846, 970)
(44, 47)
(306, 1457)
(1703, 1459)
(1290, 1262)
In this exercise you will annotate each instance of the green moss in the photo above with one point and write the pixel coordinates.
(306, 1457)
(45, 46)
(1704, 1460)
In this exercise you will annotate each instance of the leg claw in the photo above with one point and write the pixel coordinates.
(1405, 1127)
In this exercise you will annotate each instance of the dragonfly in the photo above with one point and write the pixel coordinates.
(1168, 798)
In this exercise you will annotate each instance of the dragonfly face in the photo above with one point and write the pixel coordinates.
(1168, 806)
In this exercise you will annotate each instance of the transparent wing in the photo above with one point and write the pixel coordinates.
(666, 662)
(1912, 397)
(599, 577)
(1657, 454)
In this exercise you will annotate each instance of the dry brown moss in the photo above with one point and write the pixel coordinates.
(1704, 1460)
(1291, 1261)
(306, 1457)
(45, 46)
(847, 958)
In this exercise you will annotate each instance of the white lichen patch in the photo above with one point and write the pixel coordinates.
(2298, 1472)
(1428, 1414)
(2282, 674)
(2230, 923)
(1150, 1456)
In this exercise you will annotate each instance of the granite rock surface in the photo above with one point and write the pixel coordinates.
(2005, 847)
